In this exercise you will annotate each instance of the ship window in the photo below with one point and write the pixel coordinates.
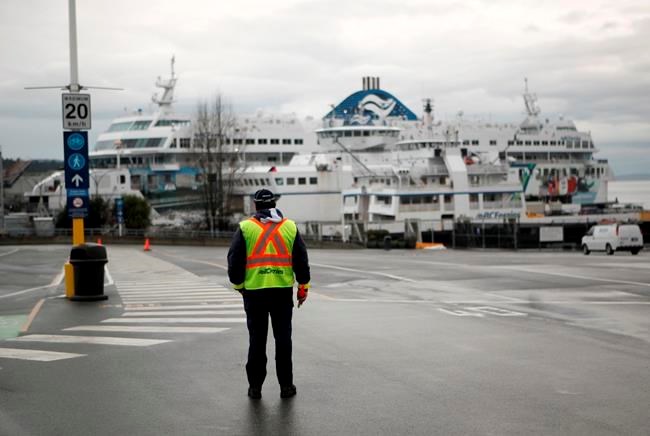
(494, 142)
(528, 143)
(140, 125)
(291, 181)
(286, 141)
(474, 141)
(347, 133)
(279, 181)
(466, 142)
(173, 143)
(297, 141)
(385, 199)
(553, 142)
(520, 142)
(544, 142)
(302, 180)
(262, 141)
(250, 141)
(405, 200)
(122, 179)
(585, 144)
(535, 142)
(257, 182)
(237, 141)
(185, 142)
(119, 127)
(510, 142)
(313, 180)
(275, 141)
(366, 133)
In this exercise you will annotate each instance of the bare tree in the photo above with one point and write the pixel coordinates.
(215, 127)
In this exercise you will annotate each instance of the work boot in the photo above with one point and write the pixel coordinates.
(255, 393)
(287, 391)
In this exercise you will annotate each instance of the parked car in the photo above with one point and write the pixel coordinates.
(613, 237)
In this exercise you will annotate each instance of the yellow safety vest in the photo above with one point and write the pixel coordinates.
(268, 253)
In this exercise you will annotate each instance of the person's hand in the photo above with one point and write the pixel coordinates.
(301, 295)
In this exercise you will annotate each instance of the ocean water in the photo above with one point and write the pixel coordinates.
(630, 191)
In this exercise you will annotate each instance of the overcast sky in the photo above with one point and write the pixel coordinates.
(589, 60)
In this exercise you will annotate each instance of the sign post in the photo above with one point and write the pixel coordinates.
(75, 156)
(119, 211)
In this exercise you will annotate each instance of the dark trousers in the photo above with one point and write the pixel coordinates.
(259, 304)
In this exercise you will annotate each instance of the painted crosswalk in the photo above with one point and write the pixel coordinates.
(157, 298)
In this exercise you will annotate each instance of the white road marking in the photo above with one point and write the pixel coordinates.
(529, 270)
(458, 312)
(223, 267)
(166, 285)
(496, 311)
(25, 291)
(38, 355)
(146, 329)
(10, 252)
(102, 340)
(174, 320)
(179, 300)
(108, 276)
(58, 278)
(175, 292)
(180, 307)
(390, 276)
(237, 311)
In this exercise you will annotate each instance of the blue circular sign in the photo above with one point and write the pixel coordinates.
(76, 161)
(76, 141)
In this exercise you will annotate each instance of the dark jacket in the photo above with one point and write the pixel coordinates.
(237, 254)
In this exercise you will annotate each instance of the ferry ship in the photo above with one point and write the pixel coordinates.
(381, 163)
(163, 154)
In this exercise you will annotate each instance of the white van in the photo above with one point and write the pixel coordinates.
(613, 237)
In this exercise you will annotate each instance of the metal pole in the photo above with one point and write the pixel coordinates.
(74, 65)
(77, 223)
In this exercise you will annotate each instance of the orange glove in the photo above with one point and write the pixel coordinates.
(302, 294)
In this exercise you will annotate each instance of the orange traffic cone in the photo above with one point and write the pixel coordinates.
(147, 246)
(99, 241)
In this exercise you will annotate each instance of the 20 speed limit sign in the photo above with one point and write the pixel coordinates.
(76, 111)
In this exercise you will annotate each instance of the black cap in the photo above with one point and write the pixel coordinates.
(263, 196)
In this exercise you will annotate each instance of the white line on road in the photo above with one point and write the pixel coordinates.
(108, 276)
(223, 267)
(101, 340)
(529, 270)
(180, 307)
(177, 292)
(146, 329)
(390, 276)
(38, 355)
(10, 252)
(174, 320)
(234, 311)
(25, 291)
(181, 300)
(165, 285)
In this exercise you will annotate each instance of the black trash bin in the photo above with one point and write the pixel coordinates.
(88, 261)
(387, 242)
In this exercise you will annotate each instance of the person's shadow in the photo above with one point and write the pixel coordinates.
(265, 419)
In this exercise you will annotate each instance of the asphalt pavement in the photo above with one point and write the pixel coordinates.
(389, 342)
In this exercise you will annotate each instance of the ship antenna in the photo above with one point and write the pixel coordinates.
(530, 100)
(165, 102)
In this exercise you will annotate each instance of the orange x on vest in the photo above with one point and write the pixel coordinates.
(269, 238)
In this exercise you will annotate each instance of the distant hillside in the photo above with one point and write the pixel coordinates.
(42, 166)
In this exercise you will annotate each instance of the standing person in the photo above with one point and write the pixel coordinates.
(265, 254)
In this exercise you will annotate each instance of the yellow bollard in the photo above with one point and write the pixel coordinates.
(69, 279)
